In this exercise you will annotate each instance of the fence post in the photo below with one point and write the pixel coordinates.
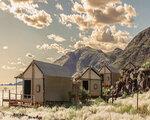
(21, 99)
(137, 101)
(2, 96)
(112, 97)
(9, 98)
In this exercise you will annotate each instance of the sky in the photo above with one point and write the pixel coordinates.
(47, 29)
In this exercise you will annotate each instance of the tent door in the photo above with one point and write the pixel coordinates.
(85, 85)
(27, 88)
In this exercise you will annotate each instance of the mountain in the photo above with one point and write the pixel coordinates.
(113, 55)
(137, 51)
(82, 58)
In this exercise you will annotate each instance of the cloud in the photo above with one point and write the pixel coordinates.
(56, 38)
(39, 20)
(22, 69)
(100, 18)
(100, 3)
(29, 55)
(5, 67)
(5, 47)
(105, 38)
(79, 20)
(17, 63)
(63, 20)
(3, 6)
(28, 12)
(22, 1)
(90, 14)
(59, 6)
(28, 1)
(54, 46)
(122, 15)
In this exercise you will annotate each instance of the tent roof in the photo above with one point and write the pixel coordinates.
(49, 69)
(78, 75)
(111, 68)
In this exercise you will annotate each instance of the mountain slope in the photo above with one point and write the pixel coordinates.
(82, 58)
(137, 51)
(113, 55)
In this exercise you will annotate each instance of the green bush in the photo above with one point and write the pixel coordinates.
(126, 109)
(84, 96)
(98, 101)
(146, 64)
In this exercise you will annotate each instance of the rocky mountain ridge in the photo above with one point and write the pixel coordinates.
(137, 52)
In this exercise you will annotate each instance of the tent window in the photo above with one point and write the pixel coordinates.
(85, 85)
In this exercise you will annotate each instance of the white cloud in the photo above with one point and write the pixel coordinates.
(87, 17)
(62, 20)
(100, 3)
(39, 20)
(59, 6)
(17, 63)
(5, 67)
(56, 38)
(3, 6)
(105, 38)
(28, 12)
(54, 46)
(22, 1)
(5, 47)
(101, 17)
(28, 1)
(29, 55)
(22, 69)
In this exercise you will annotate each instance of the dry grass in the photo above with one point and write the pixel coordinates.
(122, 109)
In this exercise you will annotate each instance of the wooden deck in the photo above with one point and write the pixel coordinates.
(22, 100)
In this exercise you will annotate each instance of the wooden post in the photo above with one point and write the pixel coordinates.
(101, 88)
(9, 98)
(2, 96)
(137, 97)
(32, 82)
(112, 97)
(137, 101)
(16, 89)
(89, 86)
(21, 99)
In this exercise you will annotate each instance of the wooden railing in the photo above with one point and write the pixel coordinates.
(7, 96)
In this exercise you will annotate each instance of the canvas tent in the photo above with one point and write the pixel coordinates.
(46, 82)
(89, 80)
(109, 75)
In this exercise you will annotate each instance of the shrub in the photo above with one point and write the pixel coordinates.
(143, 110)
(126, 109)
(84, 95)
(146, 64)
(98, 101)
